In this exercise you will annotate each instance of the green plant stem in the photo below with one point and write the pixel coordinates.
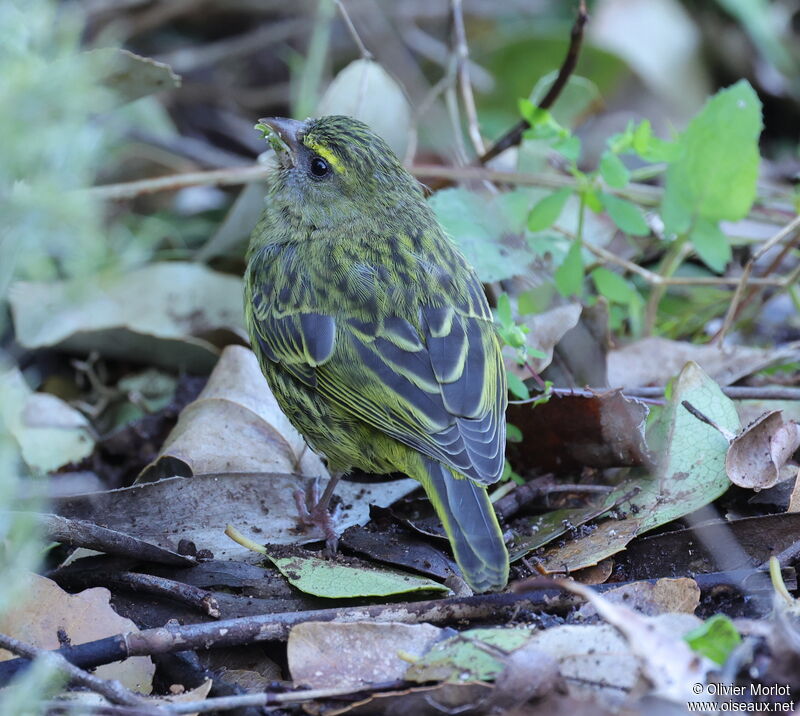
(669, 264)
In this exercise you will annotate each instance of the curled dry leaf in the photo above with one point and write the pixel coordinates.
(49, 432)
(328, 654)
(545, 331)
(83, 617)
(174, 314)
(757, 456)
(235, 425)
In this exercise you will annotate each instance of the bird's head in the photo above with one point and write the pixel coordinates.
(335, 169)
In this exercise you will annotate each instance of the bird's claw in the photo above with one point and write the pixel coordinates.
(314, 512)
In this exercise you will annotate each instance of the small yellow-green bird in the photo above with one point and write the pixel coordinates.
(374, 333)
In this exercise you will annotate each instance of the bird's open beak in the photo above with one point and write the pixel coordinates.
(288, 132)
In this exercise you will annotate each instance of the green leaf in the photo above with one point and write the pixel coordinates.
(513, 433)
(715, 638)
(569, 147)
(626, 215)
(569, 276)
(613, 286)
(517, 386)
(503, 311)
(478, 223)
(331, 579)
(711, 244)
(473, 655)
(613, 171)
(545, 213)
(690, 472)
(714, 176)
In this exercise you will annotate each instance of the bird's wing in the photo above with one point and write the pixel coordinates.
(438, 387)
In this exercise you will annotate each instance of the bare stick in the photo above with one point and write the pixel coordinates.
(514, 135)
(80, 533)
(276, 627)
(735, 392)
(200, 599)
(462, 67)
(351, 28)
(703, 418)
(730, 316)
(114, 691)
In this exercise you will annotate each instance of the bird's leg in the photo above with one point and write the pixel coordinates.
(314, 510)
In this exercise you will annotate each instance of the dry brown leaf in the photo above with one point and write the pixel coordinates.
(666, 595)
(235, 425)
(794, 500)
(83, 617)
(757, 456)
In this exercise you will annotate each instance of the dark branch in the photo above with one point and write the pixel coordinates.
(514, 135)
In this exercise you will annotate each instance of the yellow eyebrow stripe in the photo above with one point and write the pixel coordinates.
(325, 153)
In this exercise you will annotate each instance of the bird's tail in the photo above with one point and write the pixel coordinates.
(471, 525)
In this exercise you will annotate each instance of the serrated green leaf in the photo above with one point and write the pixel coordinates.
(711, 244)
(613, 171)
(517, 386)
(333, 580)
(715, 638)
(545, 212)
(714, 176)
(625, 214)
(569, 276)
(613, 286)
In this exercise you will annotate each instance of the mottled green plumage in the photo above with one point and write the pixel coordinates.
(374, 333)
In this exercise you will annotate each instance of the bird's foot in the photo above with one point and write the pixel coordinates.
(314, 511)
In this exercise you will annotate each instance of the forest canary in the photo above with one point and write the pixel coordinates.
(373, 331)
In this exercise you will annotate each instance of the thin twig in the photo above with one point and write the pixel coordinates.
(735, 392)
(703, 418)
(227, 703)
(112, 690)
(514, 135)
(733, 309)
(462, 68)
(351, 28)
(276, 627)
(200, 599)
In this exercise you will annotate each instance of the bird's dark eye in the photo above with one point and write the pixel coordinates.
(319, 167)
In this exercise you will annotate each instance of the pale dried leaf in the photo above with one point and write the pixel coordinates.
(328, 654)
(260, 505)
(654, 360)
(651, 598)
(170, 313)
(235, 425)
(49, 432)
(85, 616)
